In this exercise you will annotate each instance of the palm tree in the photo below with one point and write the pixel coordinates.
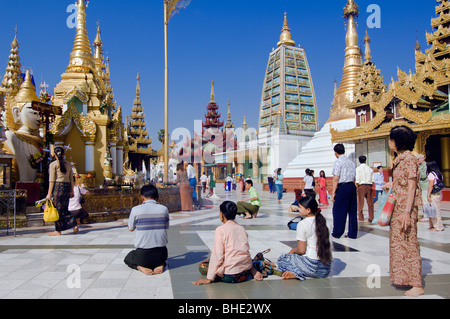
(161, 135)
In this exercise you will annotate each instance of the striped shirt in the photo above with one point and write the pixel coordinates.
(151, 222)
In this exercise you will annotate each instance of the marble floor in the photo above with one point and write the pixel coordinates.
(89, 265)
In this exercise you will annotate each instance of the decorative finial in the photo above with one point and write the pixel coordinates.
(368, 52)
(351, 9)
(417, 47)
(213, 96)
(286, 36)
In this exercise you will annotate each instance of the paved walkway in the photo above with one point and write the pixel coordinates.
(90, 265)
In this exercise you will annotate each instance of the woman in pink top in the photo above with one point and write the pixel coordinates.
(230, 260)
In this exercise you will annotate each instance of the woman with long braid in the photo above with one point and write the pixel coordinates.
(312, 257)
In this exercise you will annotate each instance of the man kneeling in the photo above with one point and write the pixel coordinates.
(151, 222)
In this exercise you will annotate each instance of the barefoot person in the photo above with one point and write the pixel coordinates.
(151, 222)
(405, 261)
(230, 260)
(61, 190)
(251, 209)
(312, 256)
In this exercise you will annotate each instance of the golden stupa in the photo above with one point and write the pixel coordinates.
(90, 124)
(352, 67)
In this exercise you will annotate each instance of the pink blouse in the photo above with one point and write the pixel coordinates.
(231, 251)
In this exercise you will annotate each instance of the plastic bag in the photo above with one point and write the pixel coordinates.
(382, 201)
(429, 210)
(387, 211)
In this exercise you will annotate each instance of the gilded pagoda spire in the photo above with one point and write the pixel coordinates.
(81, 58)
(99, 58)
(286, 36)
(368, 52)
(213, 95)
(229, 123)
(138, 138)
(137, 101)
(353, 63)
(12, 78)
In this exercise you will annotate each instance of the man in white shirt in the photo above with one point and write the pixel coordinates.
(364, 183)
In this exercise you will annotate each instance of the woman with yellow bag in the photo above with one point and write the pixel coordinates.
(61, 189)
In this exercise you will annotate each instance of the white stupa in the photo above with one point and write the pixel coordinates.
(318, 154)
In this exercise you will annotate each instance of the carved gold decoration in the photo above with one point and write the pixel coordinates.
(83, 97)
(84, 124)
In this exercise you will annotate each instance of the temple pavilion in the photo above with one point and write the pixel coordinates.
(419, 100)
(216, 138)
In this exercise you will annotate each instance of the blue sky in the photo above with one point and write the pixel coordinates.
(225, 41)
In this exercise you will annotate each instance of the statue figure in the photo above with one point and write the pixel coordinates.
(22, 138)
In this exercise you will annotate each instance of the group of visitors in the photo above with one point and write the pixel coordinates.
(351, 186)
(415, 180)
(187, 181)
(230, 259)
(65, 194)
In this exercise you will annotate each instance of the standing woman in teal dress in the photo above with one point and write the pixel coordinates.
(61, 190)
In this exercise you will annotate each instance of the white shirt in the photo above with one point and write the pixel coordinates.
(74, 203)
(190, 170)
(204, 179)
(309, 180)
(306, 232)
(364, 175)
(378, 179)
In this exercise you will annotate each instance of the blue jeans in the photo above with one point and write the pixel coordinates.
(378, 193)
(271, 187)
(279, 191)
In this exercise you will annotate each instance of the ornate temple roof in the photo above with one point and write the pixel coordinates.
(415, 99)
(212, 117)
(138, 139)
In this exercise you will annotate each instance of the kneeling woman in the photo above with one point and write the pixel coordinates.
(312, 256)
(230, 257)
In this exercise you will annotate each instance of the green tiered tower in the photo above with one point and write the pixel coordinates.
(288, 90)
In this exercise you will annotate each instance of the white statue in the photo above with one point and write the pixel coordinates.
(23, 139)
